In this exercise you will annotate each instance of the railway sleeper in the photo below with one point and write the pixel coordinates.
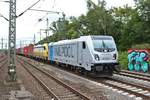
(71, 98)
(62, 93)
(143, 92)
(67, 96)
(95, 91)
(60, 88)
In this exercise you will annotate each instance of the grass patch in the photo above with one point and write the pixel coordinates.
(123, 60)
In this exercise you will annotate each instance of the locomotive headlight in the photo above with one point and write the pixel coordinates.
(96, 57)
(114, 56)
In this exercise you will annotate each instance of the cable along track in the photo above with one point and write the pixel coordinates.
(54, 87)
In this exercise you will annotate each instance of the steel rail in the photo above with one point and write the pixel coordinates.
(42, 84)
(132, 84)
(60, 82)
(5, 62)
(135, 73)
(135, 76)
(126, 90)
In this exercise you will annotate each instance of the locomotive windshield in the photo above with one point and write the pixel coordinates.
(103, 44)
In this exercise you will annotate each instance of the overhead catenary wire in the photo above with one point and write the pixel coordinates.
(28, 8)
(41, 19)
(4, 17)
(45, 11)
(22, 12)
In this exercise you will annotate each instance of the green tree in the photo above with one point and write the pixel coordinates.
(143, 9)
(99, 20)
(129, 26)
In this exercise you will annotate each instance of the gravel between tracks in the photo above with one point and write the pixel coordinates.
(81, 84)
(30, 83)
(26, 82)
(4, 88)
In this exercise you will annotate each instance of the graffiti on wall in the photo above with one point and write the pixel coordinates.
(138, 60)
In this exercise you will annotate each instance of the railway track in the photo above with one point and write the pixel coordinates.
(53, 86)
(3, 59)
(145, 77)
(126, 87)
(3, 62)
(129, 88)
(132, 82)
(134, 77)
(136, 73)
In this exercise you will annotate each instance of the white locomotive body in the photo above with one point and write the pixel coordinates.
(95, 54)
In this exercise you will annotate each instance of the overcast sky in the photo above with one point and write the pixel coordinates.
(28, 25)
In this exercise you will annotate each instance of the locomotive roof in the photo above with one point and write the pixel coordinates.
(40, 45)
(82, 38)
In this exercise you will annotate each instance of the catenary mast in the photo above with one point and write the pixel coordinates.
(12, 41)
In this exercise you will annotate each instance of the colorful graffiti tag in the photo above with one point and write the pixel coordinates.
(138, 60)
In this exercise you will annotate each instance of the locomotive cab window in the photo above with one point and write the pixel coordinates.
(83, 45)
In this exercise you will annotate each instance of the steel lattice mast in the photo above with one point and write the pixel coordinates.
(12, 41)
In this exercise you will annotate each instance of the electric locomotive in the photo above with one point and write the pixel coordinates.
(40, 52)
(96, 55)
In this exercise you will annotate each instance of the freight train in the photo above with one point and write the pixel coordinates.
(95, 55)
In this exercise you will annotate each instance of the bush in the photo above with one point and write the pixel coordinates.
(141, 46)
(123, 60)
